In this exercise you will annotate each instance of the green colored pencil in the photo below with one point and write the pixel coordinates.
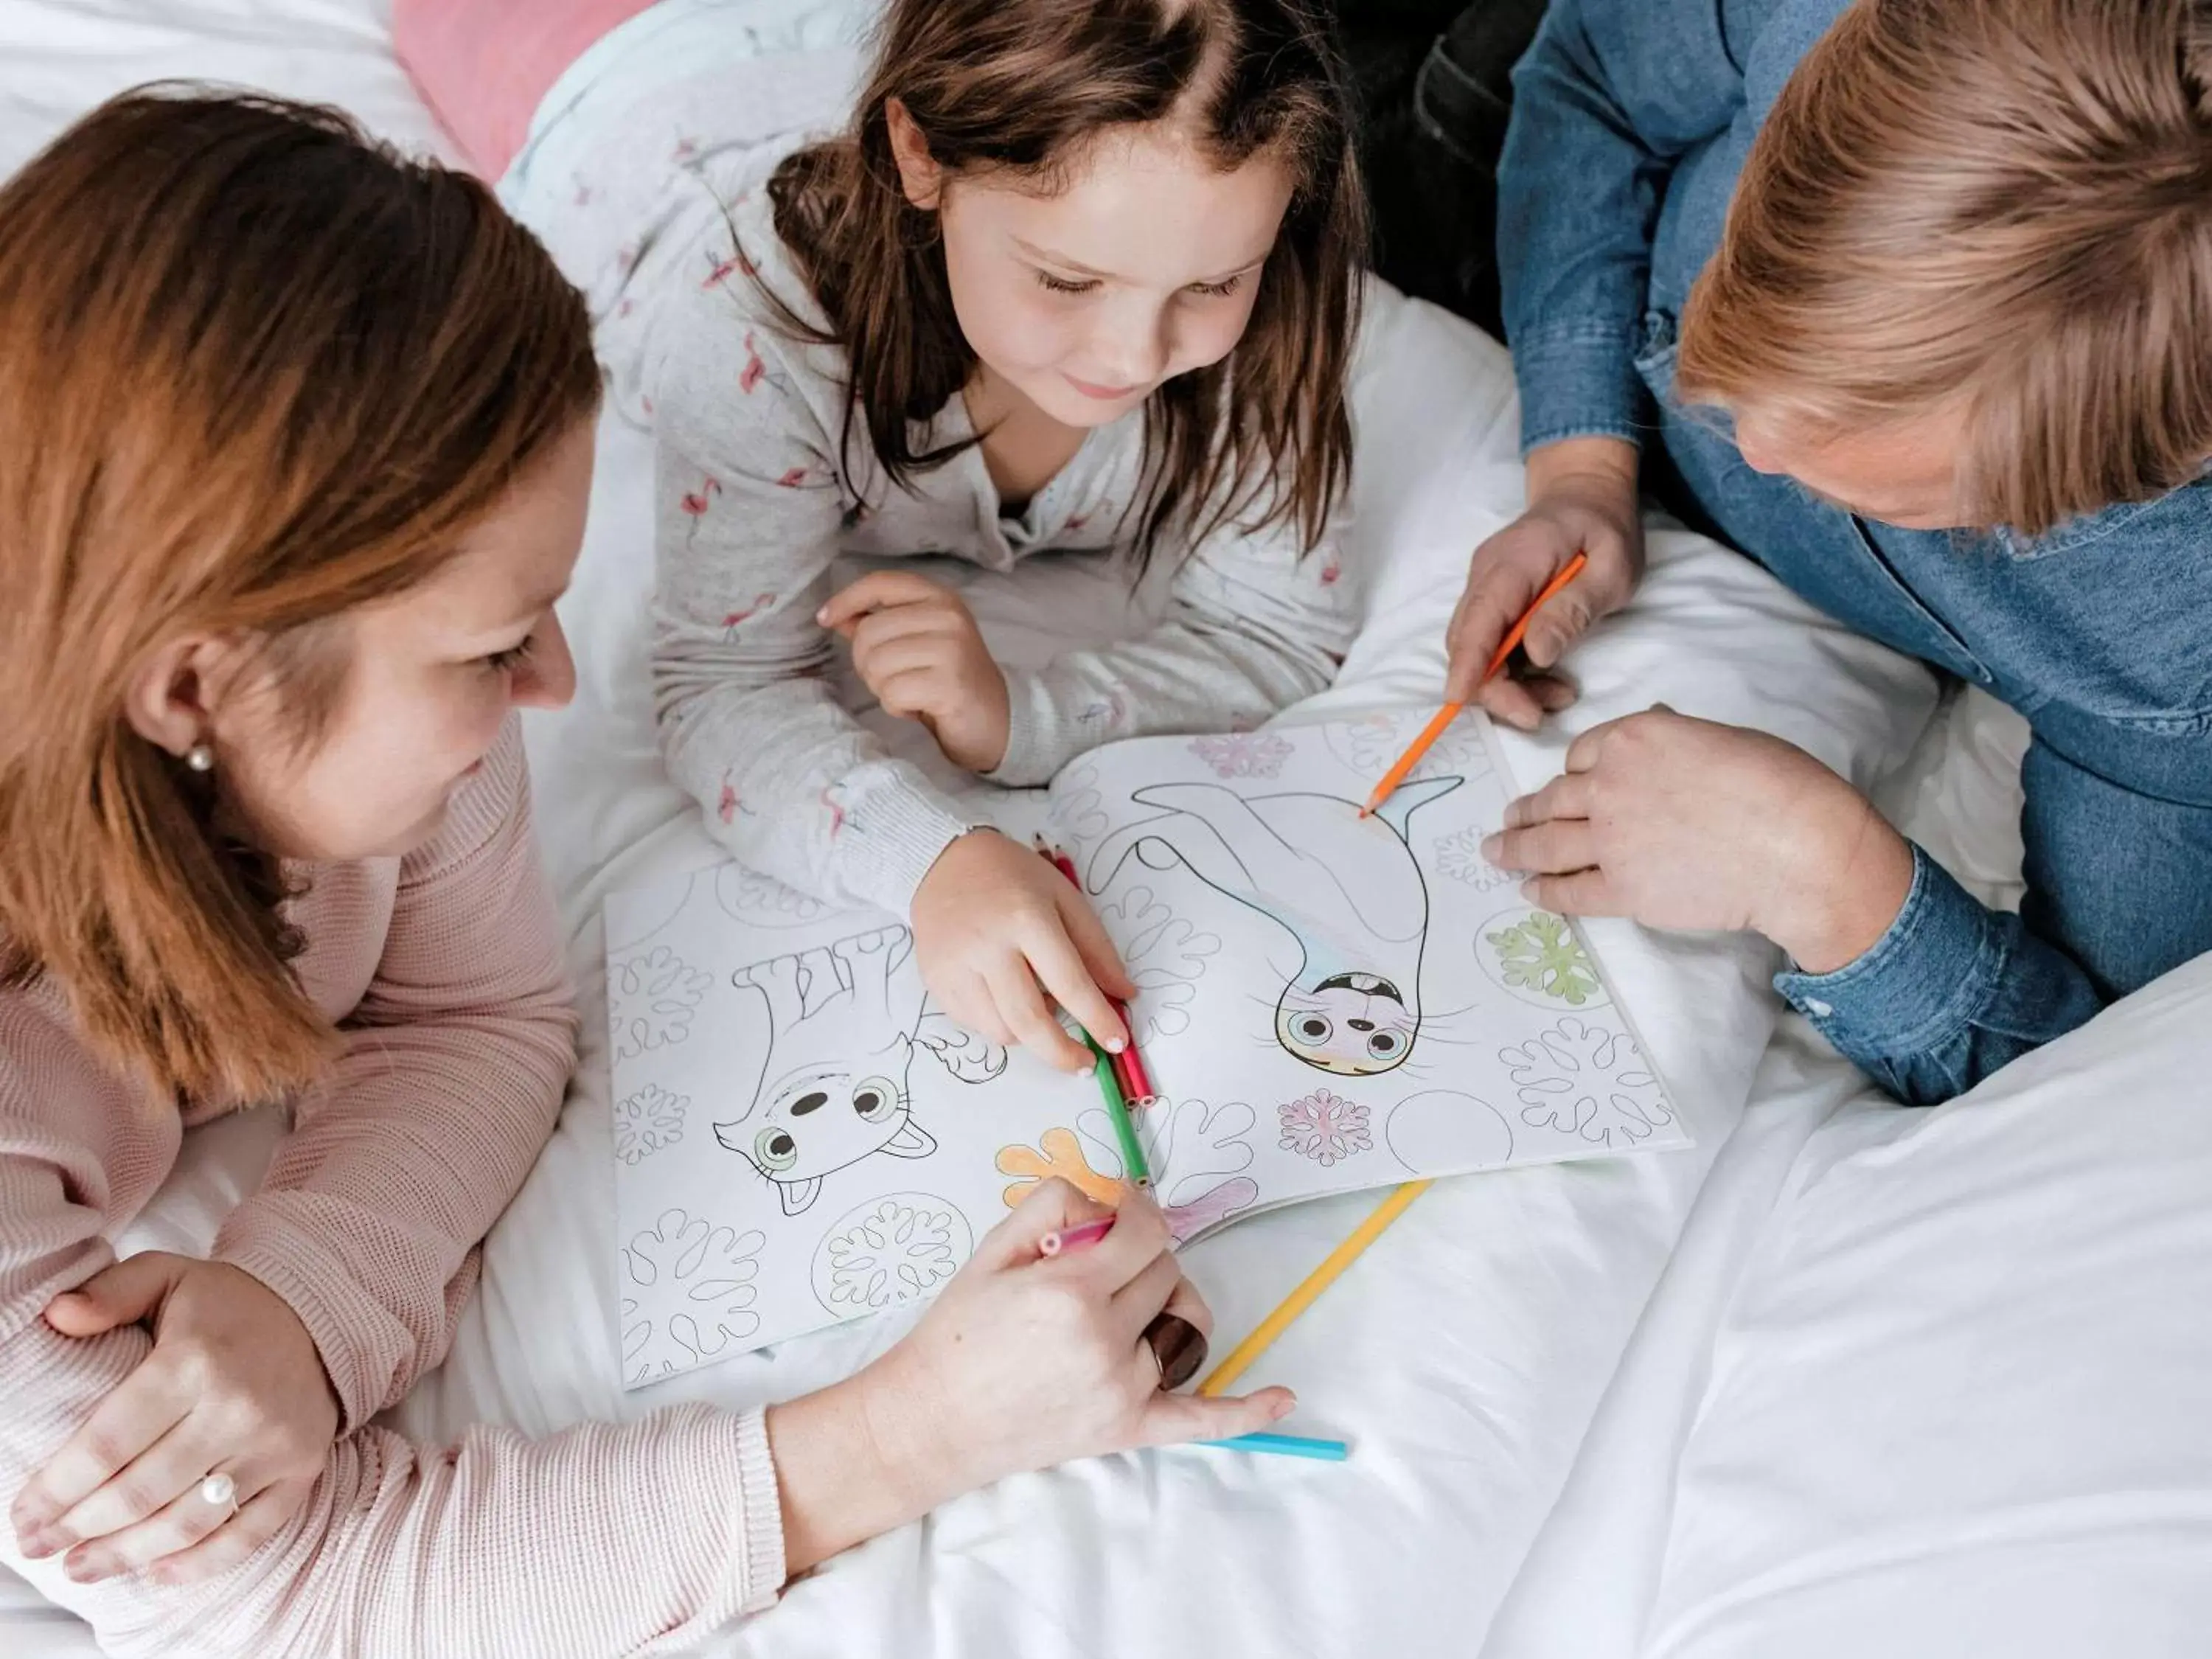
(1117, 1107)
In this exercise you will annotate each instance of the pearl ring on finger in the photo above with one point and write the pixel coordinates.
(220, 1490)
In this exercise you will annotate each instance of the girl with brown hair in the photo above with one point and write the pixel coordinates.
(296, 443)
(1078, 275)
(1911, 300)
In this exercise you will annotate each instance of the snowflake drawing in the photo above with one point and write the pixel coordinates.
(890, 1252)
(1590, 1081)
(762, 901)
(651, 999)
(1190, 1146)
(1536, 954)
(1459, 855)
(1078, 811)
(1164, 954)
(688, 1295)
(1367, 745)
(647, 1121)
(1324, 1127)
(1244, 755)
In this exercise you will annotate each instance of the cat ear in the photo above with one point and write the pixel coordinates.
(797, 1195)
(911, 1141)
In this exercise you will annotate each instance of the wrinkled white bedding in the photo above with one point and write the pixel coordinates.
(1686, 1388)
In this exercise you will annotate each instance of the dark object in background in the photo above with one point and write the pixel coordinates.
(1432, 112)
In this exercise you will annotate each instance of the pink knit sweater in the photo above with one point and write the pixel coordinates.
(444, 971)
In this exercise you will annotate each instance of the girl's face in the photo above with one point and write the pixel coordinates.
(1143, 267)
(428, 678)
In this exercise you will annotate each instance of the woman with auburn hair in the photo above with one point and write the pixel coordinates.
(296, 443)
(1919, 292)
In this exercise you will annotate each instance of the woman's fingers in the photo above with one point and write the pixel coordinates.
(1053, 1204)
(181, 1523)
(257, 1521)
(1551, 847)
(141, 1409)
(1171, 1417)
(121, 1293)
(1145, 1297)
(1185, 1303)
(1581, 893)
(171, 1468)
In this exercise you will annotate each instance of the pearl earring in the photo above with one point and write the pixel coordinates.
(200, 757)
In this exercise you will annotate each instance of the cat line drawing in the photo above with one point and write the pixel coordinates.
(1345, 888)
(836, 1097)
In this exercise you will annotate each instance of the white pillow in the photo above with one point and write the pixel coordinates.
(1959, 1403)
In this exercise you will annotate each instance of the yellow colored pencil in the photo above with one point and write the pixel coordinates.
(1242, 1356)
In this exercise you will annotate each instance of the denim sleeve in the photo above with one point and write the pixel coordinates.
(1609, 96)
(1951, 993)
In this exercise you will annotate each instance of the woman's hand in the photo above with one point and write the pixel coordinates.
(1021, 1363)
(1581, 499)
(234, 1386)
(1685, 823)
(917, 648)
(996, 928)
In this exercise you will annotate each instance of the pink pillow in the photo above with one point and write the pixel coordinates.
(484, 66)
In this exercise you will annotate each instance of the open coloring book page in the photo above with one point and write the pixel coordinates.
(1327, 1002)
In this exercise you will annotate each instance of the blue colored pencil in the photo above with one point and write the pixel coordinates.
(1286, 1445)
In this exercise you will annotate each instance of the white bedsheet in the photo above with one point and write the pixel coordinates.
(1521, 1362)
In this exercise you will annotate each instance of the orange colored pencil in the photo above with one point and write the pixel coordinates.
(1450, 712)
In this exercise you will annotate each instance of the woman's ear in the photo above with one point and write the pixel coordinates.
(920, 177)
(168, 701)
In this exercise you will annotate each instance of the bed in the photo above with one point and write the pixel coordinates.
(1844, 1379)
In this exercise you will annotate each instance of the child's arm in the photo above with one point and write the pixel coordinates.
(748, 508)
(1254, 624)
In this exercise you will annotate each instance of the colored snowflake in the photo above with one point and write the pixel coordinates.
(1324, 1127)
(1542, 953)
(647, 1121)
(1243, 755)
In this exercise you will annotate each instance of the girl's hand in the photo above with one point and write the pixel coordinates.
(1581, 499)
(1685, 823)
(234, 1386)
(917, 648)
(1020, 1363)
(996, 929)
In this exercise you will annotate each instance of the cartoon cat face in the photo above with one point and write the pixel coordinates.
(818, 1119)
(1352, 1024)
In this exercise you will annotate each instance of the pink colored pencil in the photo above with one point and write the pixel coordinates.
(1076, 1238)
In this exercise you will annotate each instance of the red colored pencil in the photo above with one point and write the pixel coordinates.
(1129, 1065)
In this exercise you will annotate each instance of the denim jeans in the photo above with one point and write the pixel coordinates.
(1631, 124)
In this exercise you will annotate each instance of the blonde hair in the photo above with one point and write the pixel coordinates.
(254, 372)
(2003, 206)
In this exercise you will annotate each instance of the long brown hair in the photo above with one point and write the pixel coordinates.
(2005, 204)
(1019, 86)
(254, 372)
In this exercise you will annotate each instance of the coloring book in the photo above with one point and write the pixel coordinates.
(1326, 1002)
